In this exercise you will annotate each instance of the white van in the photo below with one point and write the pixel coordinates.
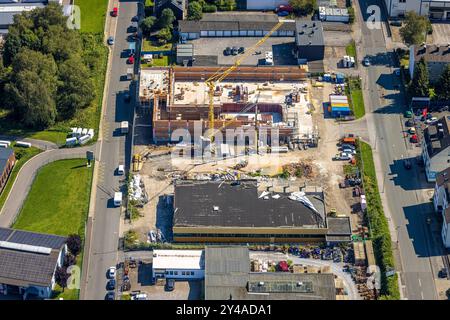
(121, 169)
(118, 199)
(139, 296)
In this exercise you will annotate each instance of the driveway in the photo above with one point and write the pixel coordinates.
(441, 33)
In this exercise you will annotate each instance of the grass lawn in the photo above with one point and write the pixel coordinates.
(351, 50)
(378, 224)
(58, 203)
(25, 154)
(93, 14)
(355, 95)
(149, 45)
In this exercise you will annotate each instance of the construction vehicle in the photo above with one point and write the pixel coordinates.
(220, 75)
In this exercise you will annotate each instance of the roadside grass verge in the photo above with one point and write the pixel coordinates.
(355, 97)
(93, 14)
(378, 224)
(58, 203)
(350, 49)
(22, 156)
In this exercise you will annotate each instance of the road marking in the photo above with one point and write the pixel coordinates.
(421, 294)
(420, 283)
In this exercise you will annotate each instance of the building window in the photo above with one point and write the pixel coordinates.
(183, 273)
(175, 273)
(402, 1)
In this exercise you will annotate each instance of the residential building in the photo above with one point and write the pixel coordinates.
(228, 276)
(434, 9)
(7, 162)
(237, 212)
(441, 200)
(436, 58)
(178, 264)
(28, 262)
(178, 7)
(234, 25)
(436, 148)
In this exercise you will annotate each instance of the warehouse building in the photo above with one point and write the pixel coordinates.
(228, 277)
(237, 212)
(178, 264)
(28, 262)
(309, 40)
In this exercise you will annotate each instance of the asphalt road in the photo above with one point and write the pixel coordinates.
(113, 148)
(399, 186)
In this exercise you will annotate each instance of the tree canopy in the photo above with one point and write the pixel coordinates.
(414, 28)
(167, 18)
(46, 73)
(420, 84)
(147, 25)
(195, 11)
(443, 85)
(303, 7)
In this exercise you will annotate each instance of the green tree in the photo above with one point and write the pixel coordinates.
(443, 85)
(303, 7)
(414, 28)
(61, 42)
(195, 11)
(75, 91)
(420, 83)
(167, 18)
(147, 25)
(164, 35)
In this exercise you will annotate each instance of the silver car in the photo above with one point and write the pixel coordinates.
(111, 40)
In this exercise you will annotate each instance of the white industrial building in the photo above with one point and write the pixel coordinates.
(435, 9)
(179, 264)
(441, 203)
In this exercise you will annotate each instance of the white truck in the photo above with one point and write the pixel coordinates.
(124, 127)
(118, 199)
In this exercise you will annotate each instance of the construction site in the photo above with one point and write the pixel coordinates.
(261, 98)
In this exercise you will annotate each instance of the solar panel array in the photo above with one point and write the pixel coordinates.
(37, 239)
(281, 286)
(5, 233)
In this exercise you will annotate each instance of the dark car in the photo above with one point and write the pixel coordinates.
(443, 273)
(170, 285)
(110, 296)
(234, 51)
(407, 164)
(396, 23)
(127, 97)
(227, 51)
(241, 50)
(111, 285)
(135, 19)
(410, 123)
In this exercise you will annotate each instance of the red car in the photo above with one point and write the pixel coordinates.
(115, 12)
(130, 60)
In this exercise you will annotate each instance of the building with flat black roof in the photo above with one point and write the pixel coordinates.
(7, 162)
(236, 212)
(28, 262)
(309, 40)
(228, 277)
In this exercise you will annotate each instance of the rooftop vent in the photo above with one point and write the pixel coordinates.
(25, 247)
(261, 283)
(299, 284)
(215, 208)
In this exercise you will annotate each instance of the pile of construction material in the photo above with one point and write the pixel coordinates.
(137, 191)
(339, 106)
(299, 169)
(79, 136)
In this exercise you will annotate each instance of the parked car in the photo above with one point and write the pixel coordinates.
(443, 273)
(121, 169)
(170, 285)
(409, 123)
(111, 285)
(135, 19)
(227, 51)
(241, 50)
(130, 60)
(110, 40)
(366, 62)
(432, 120)
(396, 23)
(110, 296)
(349, 151)
(112, 272)
(282, 13)
(443, 108)
(407, 164)
(397, 72)
(408, 114)
(115, 12)
(347, 146)
(342, 156)
(234, 51)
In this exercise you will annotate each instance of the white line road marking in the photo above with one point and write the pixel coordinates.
(421, 294)
(420, 283)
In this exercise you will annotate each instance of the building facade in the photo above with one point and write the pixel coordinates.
(178, 264)
(434, 9)
(436, 59)
(7, 162)
(441, 203)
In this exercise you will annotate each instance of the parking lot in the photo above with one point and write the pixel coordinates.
(441, 33)
(280, 46)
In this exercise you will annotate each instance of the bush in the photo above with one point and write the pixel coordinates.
(209, 8)
(74, 244)
(351, 15)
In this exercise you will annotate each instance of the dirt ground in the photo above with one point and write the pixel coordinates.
(160, 169)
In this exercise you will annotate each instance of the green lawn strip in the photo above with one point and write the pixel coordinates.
(378, 224)
(149, 45)
(93, 14)
(58, 203)
(355, 95)
(26, 154)
(350, 49)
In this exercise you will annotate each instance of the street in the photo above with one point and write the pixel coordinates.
(114, 149)
(400, 189)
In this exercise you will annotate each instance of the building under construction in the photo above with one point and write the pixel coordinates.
(262, 97)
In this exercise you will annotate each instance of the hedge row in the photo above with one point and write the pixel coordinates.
(378, 224)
